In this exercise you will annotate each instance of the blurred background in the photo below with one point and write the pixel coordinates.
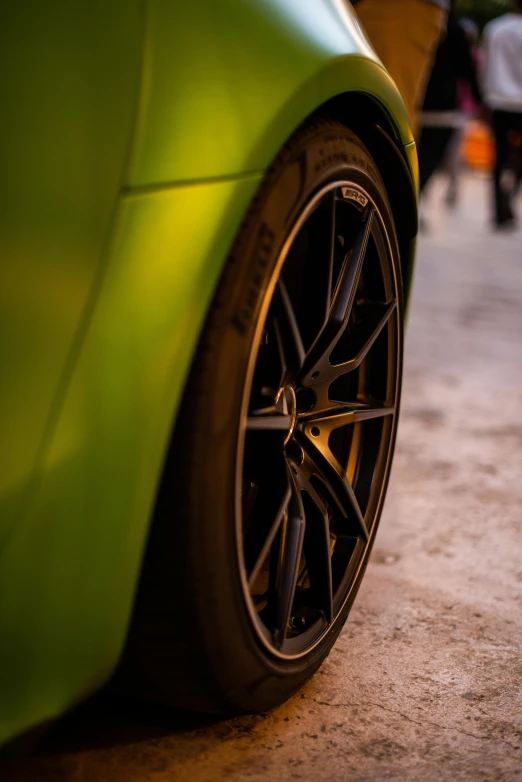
(460, 128)
(482, 11)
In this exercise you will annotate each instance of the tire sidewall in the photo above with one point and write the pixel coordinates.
(315, 158)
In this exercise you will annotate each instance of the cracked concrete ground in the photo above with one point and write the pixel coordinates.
(425, 681)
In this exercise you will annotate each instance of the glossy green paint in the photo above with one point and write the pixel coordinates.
(234, 89)
(136, 136)
(69, 77)
(70, 569)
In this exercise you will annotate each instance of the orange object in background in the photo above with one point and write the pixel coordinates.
(478, 149)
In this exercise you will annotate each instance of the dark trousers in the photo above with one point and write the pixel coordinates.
(432, 149)
(503, 123)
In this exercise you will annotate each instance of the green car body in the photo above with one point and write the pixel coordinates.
(135, 135)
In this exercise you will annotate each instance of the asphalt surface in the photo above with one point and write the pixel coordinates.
(425, 681)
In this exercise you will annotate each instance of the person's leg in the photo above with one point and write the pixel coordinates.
(517, 156)
(452, 165)
(405, 35)
(432, 147)
(502, 207)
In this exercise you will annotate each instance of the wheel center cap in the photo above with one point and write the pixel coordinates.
(288, 401)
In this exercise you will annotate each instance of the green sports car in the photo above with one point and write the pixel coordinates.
(207, 235)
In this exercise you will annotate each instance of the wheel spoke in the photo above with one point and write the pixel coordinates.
(317, 554)
(261, 498)
(362, 339)
(281, 352)
(323, 463)
(350, 273)
(288, 335)
(372, 327)
(331, 256)
(271, 536)
(317, 360)
(342, 415)
(290, 558)
(272, 422)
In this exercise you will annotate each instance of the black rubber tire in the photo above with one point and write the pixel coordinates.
(191, 643)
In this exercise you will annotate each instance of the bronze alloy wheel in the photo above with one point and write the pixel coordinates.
(318, 418)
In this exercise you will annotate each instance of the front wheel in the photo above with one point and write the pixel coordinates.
(278, 466)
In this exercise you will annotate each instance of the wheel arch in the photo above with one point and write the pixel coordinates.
(396, 163)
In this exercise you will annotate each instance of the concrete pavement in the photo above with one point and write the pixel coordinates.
(425, 681)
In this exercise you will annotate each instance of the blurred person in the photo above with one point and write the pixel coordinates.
(468, 108)
(502, 78)
(405, 34)
(515, 140)
(441, 117)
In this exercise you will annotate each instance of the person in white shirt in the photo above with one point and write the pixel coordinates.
(502, 82)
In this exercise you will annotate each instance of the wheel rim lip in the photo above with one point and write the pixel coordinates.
(258, 625)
